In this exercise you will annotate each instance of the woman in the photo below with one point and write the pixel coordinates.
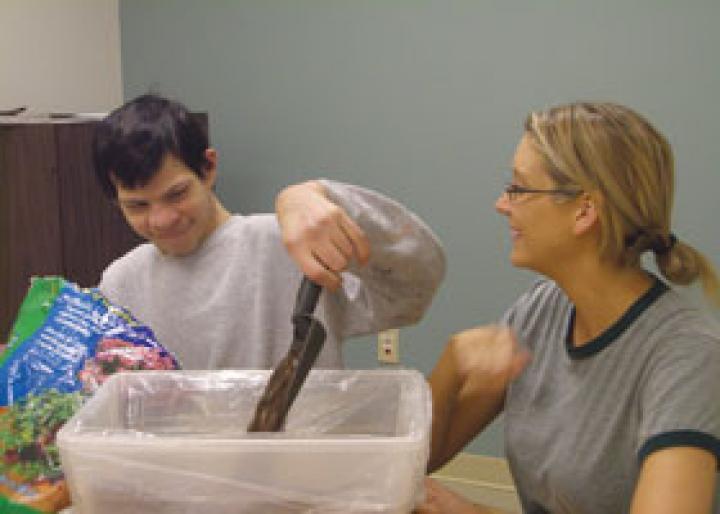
(617, 409)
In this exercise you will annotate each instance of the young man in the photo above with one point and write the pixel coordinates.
(218, 288)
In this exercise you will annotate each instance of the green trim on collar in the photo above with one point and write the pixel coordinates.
(616, 329)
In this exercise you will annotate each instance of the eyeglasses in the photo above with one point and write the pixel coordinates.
(514, 192)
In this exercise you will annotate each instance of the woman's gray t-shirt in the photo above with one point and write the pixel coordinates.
(580, 420)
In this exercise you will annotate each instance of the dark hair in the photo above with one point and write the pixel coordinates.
(131, 143)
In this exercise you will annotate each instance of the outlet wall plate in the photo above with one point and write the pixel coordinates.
(388, 349)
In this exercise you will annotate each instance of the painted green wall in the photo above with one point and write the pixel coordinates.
(425, 100)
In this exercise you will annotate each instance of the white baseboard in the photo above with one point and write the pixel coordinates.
(484, 480)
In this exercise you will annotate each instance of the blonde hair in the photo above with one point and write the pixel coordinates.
(613, 150)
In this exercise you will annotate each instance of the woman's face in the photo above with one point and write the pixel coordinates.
(541, 223)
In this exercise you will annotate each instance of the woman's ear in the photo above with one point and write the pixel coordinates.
(587, 214)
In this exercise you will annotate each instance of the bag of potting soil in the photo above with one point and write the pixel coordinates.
(65, 341)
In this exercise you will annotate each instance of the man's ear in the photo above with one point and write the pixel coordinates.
(587, 214)
(210, 167)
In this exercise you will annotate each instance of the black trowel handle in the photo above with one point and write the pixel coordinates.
(307, 297)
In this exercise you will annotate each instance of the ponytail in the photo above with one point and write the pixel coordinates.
(682, 264)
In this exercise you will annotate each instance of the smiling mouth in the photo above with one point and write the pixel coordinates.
(169, 237)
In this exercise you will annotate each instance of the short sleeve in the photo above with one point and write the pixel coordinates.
(680, 399)
(536, 311)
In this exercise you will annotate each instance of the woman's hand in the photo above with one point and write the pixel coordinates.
(319, 235)
(468, 386)
(441, 500)
(487, 354)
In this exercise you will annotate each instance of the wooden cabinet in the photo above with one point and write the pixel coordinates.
(54, 218)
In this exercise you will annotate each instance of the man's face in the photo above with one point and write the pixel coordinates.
(176, 210)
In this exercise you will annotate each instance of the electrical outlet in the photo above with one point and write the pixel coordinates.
(389, 346)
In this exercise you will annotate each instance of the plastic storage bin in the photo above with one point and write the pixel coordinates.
(175, 442)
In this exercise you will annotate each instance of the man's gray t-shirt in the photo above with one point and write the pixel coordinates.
(580, 420)
(229, 303)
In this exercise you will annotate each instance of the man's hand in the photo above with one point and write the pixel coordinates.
(319, 235)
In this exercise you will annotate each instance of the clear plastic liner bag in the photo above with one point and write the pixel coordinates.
(176, 442)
